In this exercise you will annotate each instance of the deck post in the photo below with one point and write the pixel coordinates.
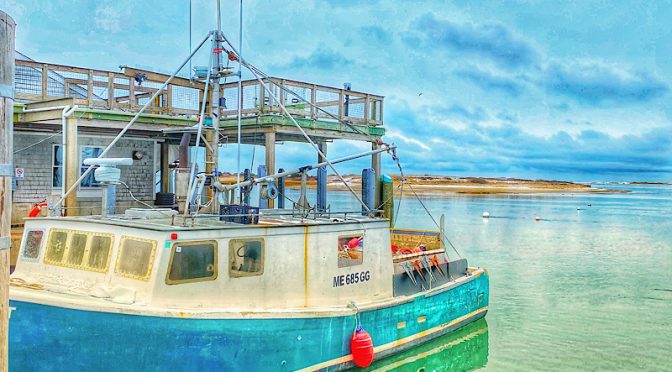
(375, 165)
(322, 180)
(270, 159)
(7, 27)
(73, 165)
(165, 167)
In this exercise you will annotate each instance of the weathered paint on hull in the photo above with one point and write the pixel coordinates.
(55, 338)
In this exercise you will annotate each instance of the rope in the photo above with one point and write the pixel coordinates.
(38, 142)
(443, 235)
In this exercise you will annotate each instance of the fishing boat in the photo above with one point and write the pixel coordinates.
(229, 286)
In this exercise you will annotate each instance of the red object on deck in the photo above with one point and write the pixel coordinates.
(354, 242)
(361, 347)
(36, 210)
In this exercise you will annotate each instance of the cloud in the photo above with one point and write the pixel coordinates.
(489, 81)
(508, 150)
(488, 40)
(595, 83)
(394, 134)
(108, 19)
(322, 58)
(376, 34)
(474, 114)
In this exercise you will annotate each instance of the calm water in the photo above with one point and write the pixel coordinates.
(578, 290)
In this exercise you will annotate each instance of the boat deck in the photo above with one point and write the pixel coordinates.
(167, 220)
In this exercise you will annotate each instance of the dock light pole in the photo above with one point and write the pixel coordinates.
(7, 28)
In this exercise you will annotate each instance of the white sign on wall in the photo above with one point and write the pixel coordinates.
(19, 173)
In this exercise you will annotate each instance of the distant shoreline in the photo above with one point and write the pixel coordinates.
(438, 185)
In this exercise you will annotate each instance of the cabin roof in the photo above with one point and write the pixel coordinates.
(207, 222)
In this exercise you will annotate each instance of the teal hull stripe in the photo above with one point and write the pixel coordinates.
(52, 338)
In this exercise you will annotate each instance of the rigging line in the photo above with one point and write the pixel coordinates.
(201, 120)
(303, 132)
(130, 123)
(240, 89)
(38, 142)
(401, 172)
(190, 69)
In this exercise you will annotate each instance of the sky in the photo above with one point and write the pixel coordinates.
(572, 90)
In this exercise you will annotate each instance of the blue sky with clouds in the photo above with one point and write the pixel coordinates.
(539, 89)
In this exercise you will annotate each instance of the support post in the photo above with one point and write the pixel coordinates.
(72, 166)
(165, 167)
(375, 165)
(262, 172)
(321, 180)
(7, 27)
(368, 188)
(281, 190)
(270, 159)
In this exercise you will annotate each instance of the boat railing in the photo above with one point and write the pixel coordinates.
(412, 238)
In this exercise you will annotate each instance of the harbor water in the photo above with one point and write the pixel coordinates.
(587, 287)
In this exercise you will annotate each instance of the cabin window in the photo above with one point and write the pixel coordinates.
(192, 262)
(246, 257)
(79, 249)
(99, 252)
(33, 243)
(350, 250)
(135, 258)
(56, 246)
(76, 249)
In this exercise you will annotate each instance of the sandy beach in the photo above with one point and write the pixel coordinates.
(427, 184)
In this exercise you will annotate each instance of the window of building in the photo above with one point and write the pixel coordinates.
(79, 249)
(350, 250)
(58, 165)
(31, 249)
(136, 257)
(192, 262)
(246, 257)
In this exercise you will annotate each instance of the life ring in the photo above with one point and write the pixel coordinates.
(36, 210)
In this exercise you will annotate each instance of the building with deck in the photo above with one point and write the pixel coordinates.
(65, 114)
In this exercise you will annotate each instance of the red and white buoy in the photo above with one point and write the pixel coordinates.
(361, 347)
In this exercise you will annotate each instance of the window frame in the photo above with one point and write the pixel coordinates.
(87, 250)
(193, 280)
(245, 274)
(350, 236)
(87, 189)
(39, 249)
(152, 257)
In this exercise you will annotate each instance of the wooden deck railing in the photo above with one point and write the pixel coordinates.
(334, 103)
(35, 81)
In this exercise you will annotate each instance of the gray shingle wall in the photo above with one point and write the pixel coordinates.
(37, 162)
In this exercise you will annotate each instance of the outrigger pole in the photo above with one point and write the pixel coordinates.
(271, 178)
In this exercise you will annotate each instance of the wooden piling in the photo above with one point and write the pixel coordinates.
(7, 28)
(269, 142)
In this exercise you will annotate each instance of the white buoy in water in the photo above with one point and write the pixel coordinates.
(537, 218)
(486, 214)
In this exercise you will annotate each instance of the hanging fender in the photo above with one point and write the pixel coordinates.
(36, 210)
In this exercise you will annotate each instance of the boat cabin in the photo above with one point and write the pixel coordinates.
(157, 259)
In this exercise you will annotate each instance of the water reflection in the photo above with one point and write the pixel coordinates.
(463, 350)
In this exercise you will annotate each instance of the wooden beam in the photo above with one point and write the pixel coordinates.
(89, 88)
(7, 27)
(155, 76)
(72, 169)
(45, 80)
(165, 169)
